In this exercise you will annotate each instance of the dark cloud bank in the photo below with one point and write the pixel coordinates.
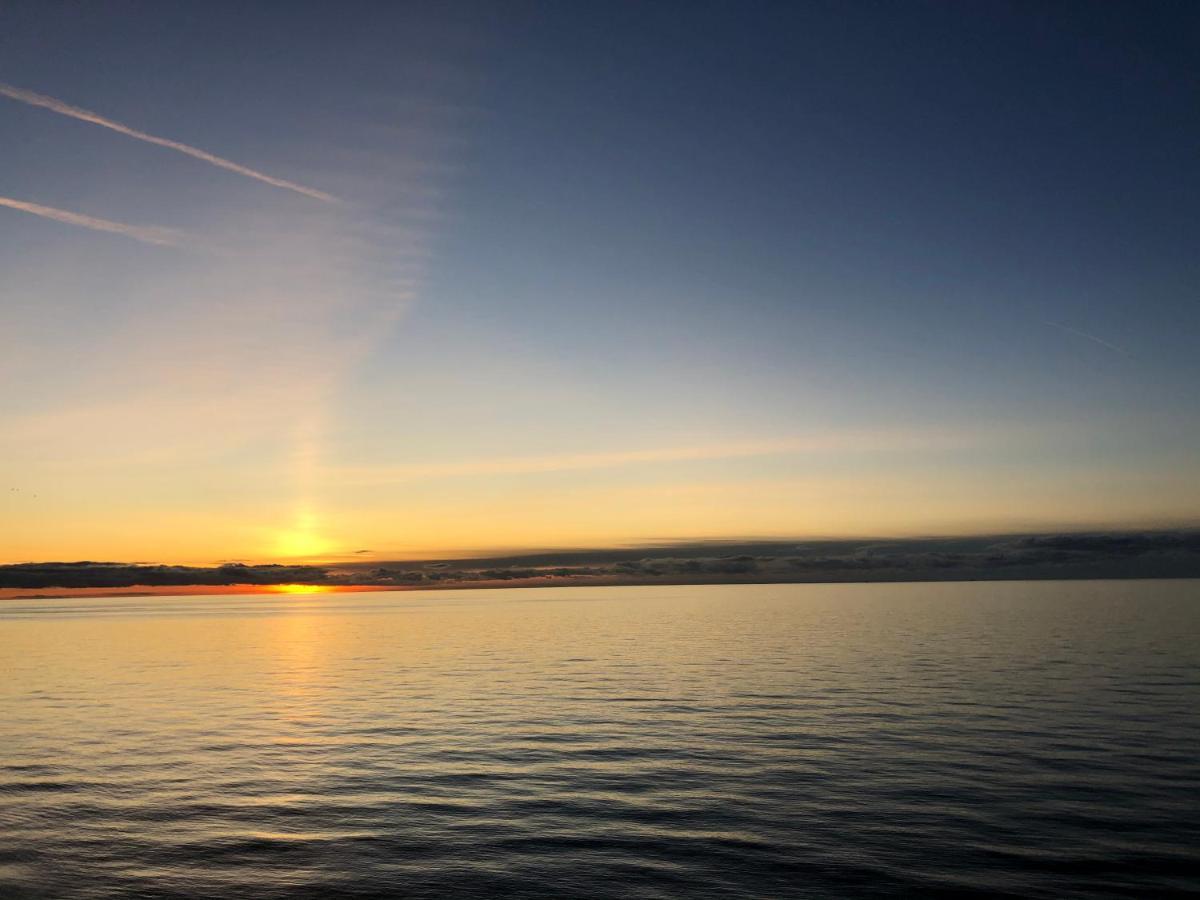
(109, 574)
(1174, 554)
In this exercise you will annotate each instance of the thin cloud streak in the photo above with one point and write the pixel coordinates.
(841, 442)
(83, 115)
(146, 234)
(1090, 337)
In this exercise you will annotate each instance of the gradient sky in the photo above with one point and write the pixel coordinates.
(444, 278)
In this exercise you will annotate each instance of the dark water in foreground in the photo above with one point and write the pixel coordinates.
(1020, 739)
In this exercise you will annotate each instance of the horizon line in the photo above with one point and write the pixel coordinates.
(492, 553)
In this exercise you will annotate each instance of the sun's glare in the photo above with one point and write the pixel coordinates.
(303, 540)
(299, 589)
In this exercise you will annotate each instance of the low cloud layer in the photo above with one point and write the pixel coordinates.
(1174, 554)
(1112, 555)
(109, 575)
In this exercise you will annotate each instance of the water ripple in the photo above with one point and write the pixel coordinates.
(969, 740)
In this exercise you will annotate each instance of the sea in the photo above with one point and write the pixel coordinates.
(979, 739)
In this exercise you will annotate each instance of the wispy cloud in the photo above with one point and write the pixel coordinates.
(147, 233)
(1090, 337)
(849, 441)
(83, 115)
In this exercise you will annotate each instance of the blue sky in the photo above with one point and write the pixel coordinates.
(631, 271)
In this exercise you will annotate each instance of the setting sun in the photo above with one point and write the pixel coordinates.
(302, 540)
(299, 589)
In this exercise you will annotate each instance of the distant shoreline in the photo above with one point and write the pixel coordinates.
(202, 590)
(1029, 557)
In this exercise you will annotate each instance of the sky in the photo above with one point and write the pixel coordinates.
(351, 281)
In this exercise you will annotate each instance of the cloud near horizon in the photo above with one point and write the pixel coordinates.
(1151, 554)
(850, 440)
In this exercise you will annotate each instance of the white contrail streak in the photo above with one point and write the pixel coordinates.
(84, 115)
(1090, 337)
(148, 234)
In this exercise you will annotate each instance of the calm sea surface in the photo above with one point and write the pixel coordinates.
(931, 740)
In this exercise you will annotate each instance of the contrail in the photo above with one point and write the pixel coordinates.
(1090, 337)
(148, 234)
(84, 115)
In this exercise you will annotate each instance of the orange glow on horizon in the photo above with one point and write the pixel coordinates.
(299, 589)
(182, 590)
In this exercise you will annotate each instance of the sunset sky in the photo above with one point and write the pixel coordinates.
(296, 282)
